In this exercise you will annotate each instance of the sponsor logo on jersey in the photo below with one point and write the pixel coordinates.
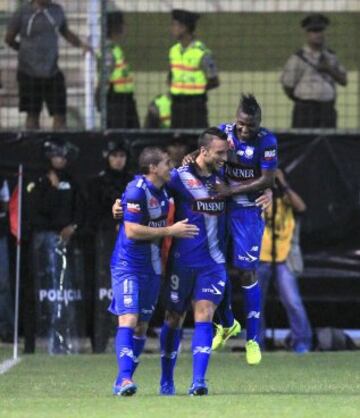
(210, 206)
(269, 154)
(158, 223)
(239, 173)
(133, 207)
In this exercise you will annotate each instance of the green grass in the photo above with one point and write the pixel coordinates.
(284, 385)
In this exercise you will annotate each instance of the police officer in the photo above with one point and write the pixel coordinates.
(121, 105)
(192, 73)
(310, 76)
(159, 112)
(55, 214)
(103, 189)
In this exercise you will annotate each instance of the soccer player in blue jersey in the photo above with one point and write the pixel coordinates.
(136, 263)
(250, 169)
(196, 270)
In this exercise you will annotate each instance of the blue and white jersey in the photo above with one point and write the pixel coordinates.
(195, 199)
(246, 159)
(144, 204)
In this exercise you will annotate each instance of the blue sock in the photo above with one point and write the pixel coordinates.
(224, 313)
(124, 353)
(138, 347)
(201, 349)
(169, 345)
(252, 298)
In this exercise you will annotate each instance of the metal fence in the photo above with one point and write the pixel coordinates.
(250, 41)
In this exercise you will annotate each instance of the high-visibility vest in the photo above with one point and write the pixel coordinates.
(122, 78)
(163, 104)
(187, 77)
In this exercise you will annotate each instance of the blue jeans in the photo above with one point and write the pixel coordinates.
(287, 286)
(6, 299)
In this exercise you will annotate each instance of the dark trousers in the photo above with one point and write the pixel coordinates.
(313, 114)
(189, 112)
(121, 111)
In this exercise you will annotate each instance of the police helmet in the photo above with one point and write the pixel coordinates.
(60, 148)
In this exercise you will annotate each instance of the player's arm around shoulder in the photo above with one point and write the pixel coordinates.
(136, 219)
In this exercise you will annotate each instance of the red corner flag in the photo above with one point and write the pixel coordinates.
(13, 212)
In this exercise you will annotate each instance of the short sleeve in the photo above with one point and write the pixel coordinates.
(209, 66)
(172, 185)
(14, 24)
(268, 158)
(63, 27)
(134, 205)
(291, 73)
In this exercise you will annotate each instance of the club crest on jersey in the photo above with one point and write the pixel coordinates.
(249, 152)
(194, 183)
(153, 202)
(210, 206)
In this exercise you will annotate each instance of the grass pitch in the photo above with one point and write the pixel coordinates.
(284, 385)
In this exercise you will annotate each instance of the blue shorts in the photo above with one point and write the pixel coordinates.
(186, 284)
(134, 293)
(246, 229)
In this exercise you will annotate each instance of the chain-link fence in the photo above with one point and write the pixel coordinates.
(250, 41)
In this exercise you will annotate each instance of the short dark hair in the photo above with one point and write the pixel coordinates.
(249, 105)
(150, 156)
(207, 136)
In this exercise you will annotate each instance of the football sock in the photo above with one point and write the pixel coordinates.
(252, 311)
(201, 349)
(169, 346)
(224, 313)
(124, 353)
(138, 347)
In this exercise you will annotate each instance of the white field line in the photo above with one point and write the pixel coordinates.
(6, 365)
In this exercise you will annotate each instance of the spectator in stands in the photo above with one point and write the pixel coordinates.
(310, 76)
(121, 106)
(192, 73)
(6, 306)
(103, 189)
(276, 247)
(159, 112)
(38, 23)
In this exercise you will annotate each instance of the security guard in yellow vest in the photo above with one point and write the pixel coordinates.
(159, 112)
(121, 105)
(192, 73)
